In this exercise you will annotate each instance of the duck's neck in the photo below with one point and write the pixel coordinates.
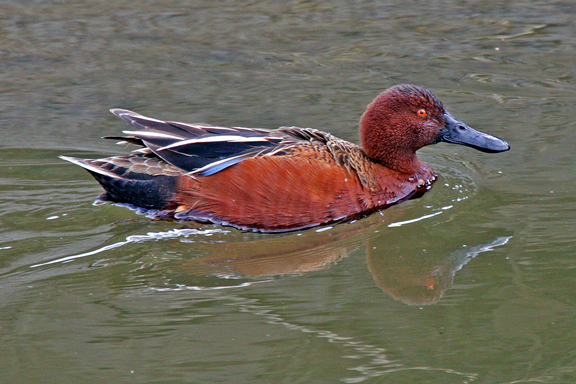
(395, 158)
(392, 152)
(407, 167)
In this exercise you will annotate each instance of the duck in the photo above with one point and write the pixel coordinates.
(283, 179)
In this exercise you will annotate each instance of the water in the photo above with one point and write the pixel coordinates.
(473, 283)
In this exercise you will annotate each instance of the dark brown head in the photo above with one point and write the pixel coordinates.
(405, 118)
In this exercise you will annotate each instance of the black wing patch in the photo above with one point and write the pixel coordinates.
(199, 148)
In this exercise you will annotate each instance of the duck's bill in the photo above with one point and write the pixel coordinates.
(457, 132)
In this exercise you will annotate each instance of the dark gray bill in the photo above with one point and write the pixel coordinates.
(459, 133)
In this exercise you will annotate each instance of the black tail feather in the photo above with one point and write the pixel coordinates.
(151, 192)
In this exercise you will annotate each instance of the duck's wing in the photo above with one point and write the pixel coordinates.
(199, 148)
(203, 149)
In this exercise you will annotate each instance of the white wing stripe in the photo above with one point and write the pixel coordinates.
(152, 135)
(218, 139)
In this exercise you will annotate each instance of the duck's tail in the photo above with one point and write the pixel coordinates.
(124, 184)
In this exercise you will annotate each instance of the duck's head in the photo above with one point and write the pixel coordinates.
(405, 118)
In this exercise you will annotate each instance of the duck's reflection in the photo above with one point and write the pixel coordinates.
(268, 256)
(411, 269)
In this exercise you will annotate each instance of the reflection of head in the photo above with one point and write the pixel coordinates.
(411, 283)
(419, 278)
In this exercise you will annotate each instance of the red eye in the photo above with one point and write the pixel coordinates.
(421, 112)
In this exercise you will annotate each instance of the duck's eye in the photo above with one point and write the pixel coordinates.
(421, 112)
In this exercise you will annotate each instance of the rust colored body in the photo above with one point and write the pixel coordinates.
(292, 192)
